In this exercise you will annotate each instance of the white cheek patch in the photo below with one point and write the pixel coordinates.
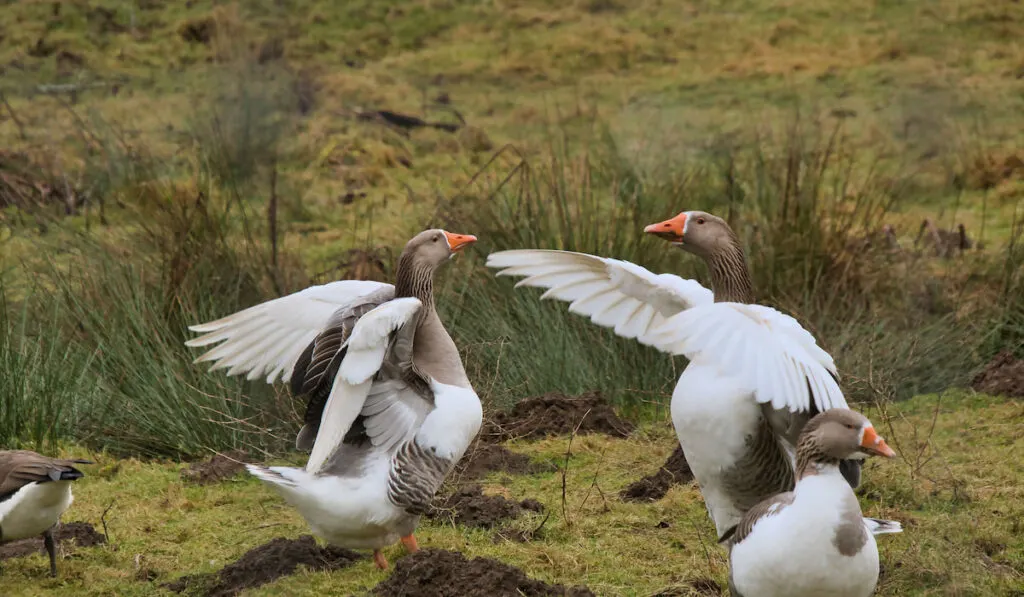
(686, 222)
(447, 242)
(860, 435)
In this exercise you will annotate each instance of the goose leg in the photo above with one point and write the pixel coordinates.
(51, 548)
(410, 543)
(379, 559)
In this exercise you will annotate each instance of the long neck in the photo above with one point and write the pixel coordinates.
(811, 461)
(730, 279)
(434, 352)
(415, 280)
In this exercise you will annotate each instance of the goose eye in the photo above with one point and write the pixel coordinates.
(700, 220)
(434, 239)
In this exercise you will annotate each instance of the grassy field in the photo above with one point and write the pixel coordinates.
(167, 163)
(955, 487)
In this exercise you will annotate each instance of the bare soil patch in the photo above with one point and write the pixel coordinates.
(675, 471)
(482, 458)
(468, 506)
(556, 414)
(79, 534)
(701, 586)
(1003, 376)
(266, 563)
(216, 469)
(441, 573)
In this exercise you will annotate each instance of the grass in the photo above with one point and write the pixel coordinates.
(169, 163)
(954, 488)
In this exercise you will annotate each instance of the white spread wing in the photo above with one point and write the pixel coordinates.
(765, 349)
(267, 339)
(367, 347)
(614, 294)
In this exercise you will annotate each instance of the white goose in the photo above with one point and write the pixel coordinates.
(755, 375)
(811, 541)
(35, 491)
(390, 407)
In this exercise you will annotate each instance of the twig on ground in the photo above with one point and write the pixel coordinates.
(565, 468)
(103, 521)
(594, 485)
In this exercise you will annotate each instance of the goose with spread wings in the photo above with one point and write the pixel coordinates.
(390, 410)
(755, 376)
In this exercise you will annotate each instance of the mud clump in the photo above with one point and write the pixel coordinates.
(441, 573)
(702, 586)
(556, 414)
(264, 564)
(1003, 376)
(468, 506)
(482, 458)
(218, 468)
(82, 534)
(675, 471)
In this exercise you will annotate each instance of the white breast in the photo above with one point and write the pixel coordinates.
(793, 554)
(453, 423)
(33, 509)
(713, 415)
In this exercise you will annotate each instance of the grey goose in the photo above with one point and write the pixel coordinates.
(811, 541)
(35, 490)
(391, 409)
(755, 375)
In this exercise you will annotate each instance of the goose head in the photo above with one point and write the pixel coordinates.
(431, 248)
(842, 434)
(697, 232)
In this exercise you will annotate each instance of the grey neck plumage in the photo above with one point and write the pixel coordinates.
(434, 351)
(730, 278)
(810, 460)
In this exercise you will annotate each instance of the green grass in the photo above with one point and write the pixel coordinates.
(955, 487)
(219, 161)
(933, 89)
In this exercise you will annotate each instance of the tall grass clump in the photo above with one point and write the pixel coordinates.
(44, 384)
(188, 248)
(809, 208)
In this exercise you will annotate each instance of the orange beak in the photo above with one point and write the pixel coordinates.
(874, 444)
(670, 230)
(457, 241)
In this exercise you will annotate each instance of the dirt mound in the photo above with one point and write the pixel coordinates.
(702, 586)
(263, 564)
(556, 414)
(440, 573)
(82, 533)
(468, 506)
(482, 458)
(675, 471)
(1003, 376)
(218, 468)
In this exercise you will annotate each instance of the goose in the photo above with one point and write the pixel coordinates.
(813, 540)
(755, 376)
(390, 410)
(35, 491)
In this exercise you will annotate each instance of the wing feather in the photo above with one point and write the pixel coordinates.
(766, 350)
(612, 293)
(367, 346)
(267, 339)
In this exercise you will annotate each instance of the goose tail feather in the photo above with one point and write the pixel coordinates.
(878, 526)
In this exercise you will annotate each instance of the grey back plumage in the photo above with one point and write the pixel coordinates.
(395, 407)
(314, 371)
(769, 507)
(18, 468)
